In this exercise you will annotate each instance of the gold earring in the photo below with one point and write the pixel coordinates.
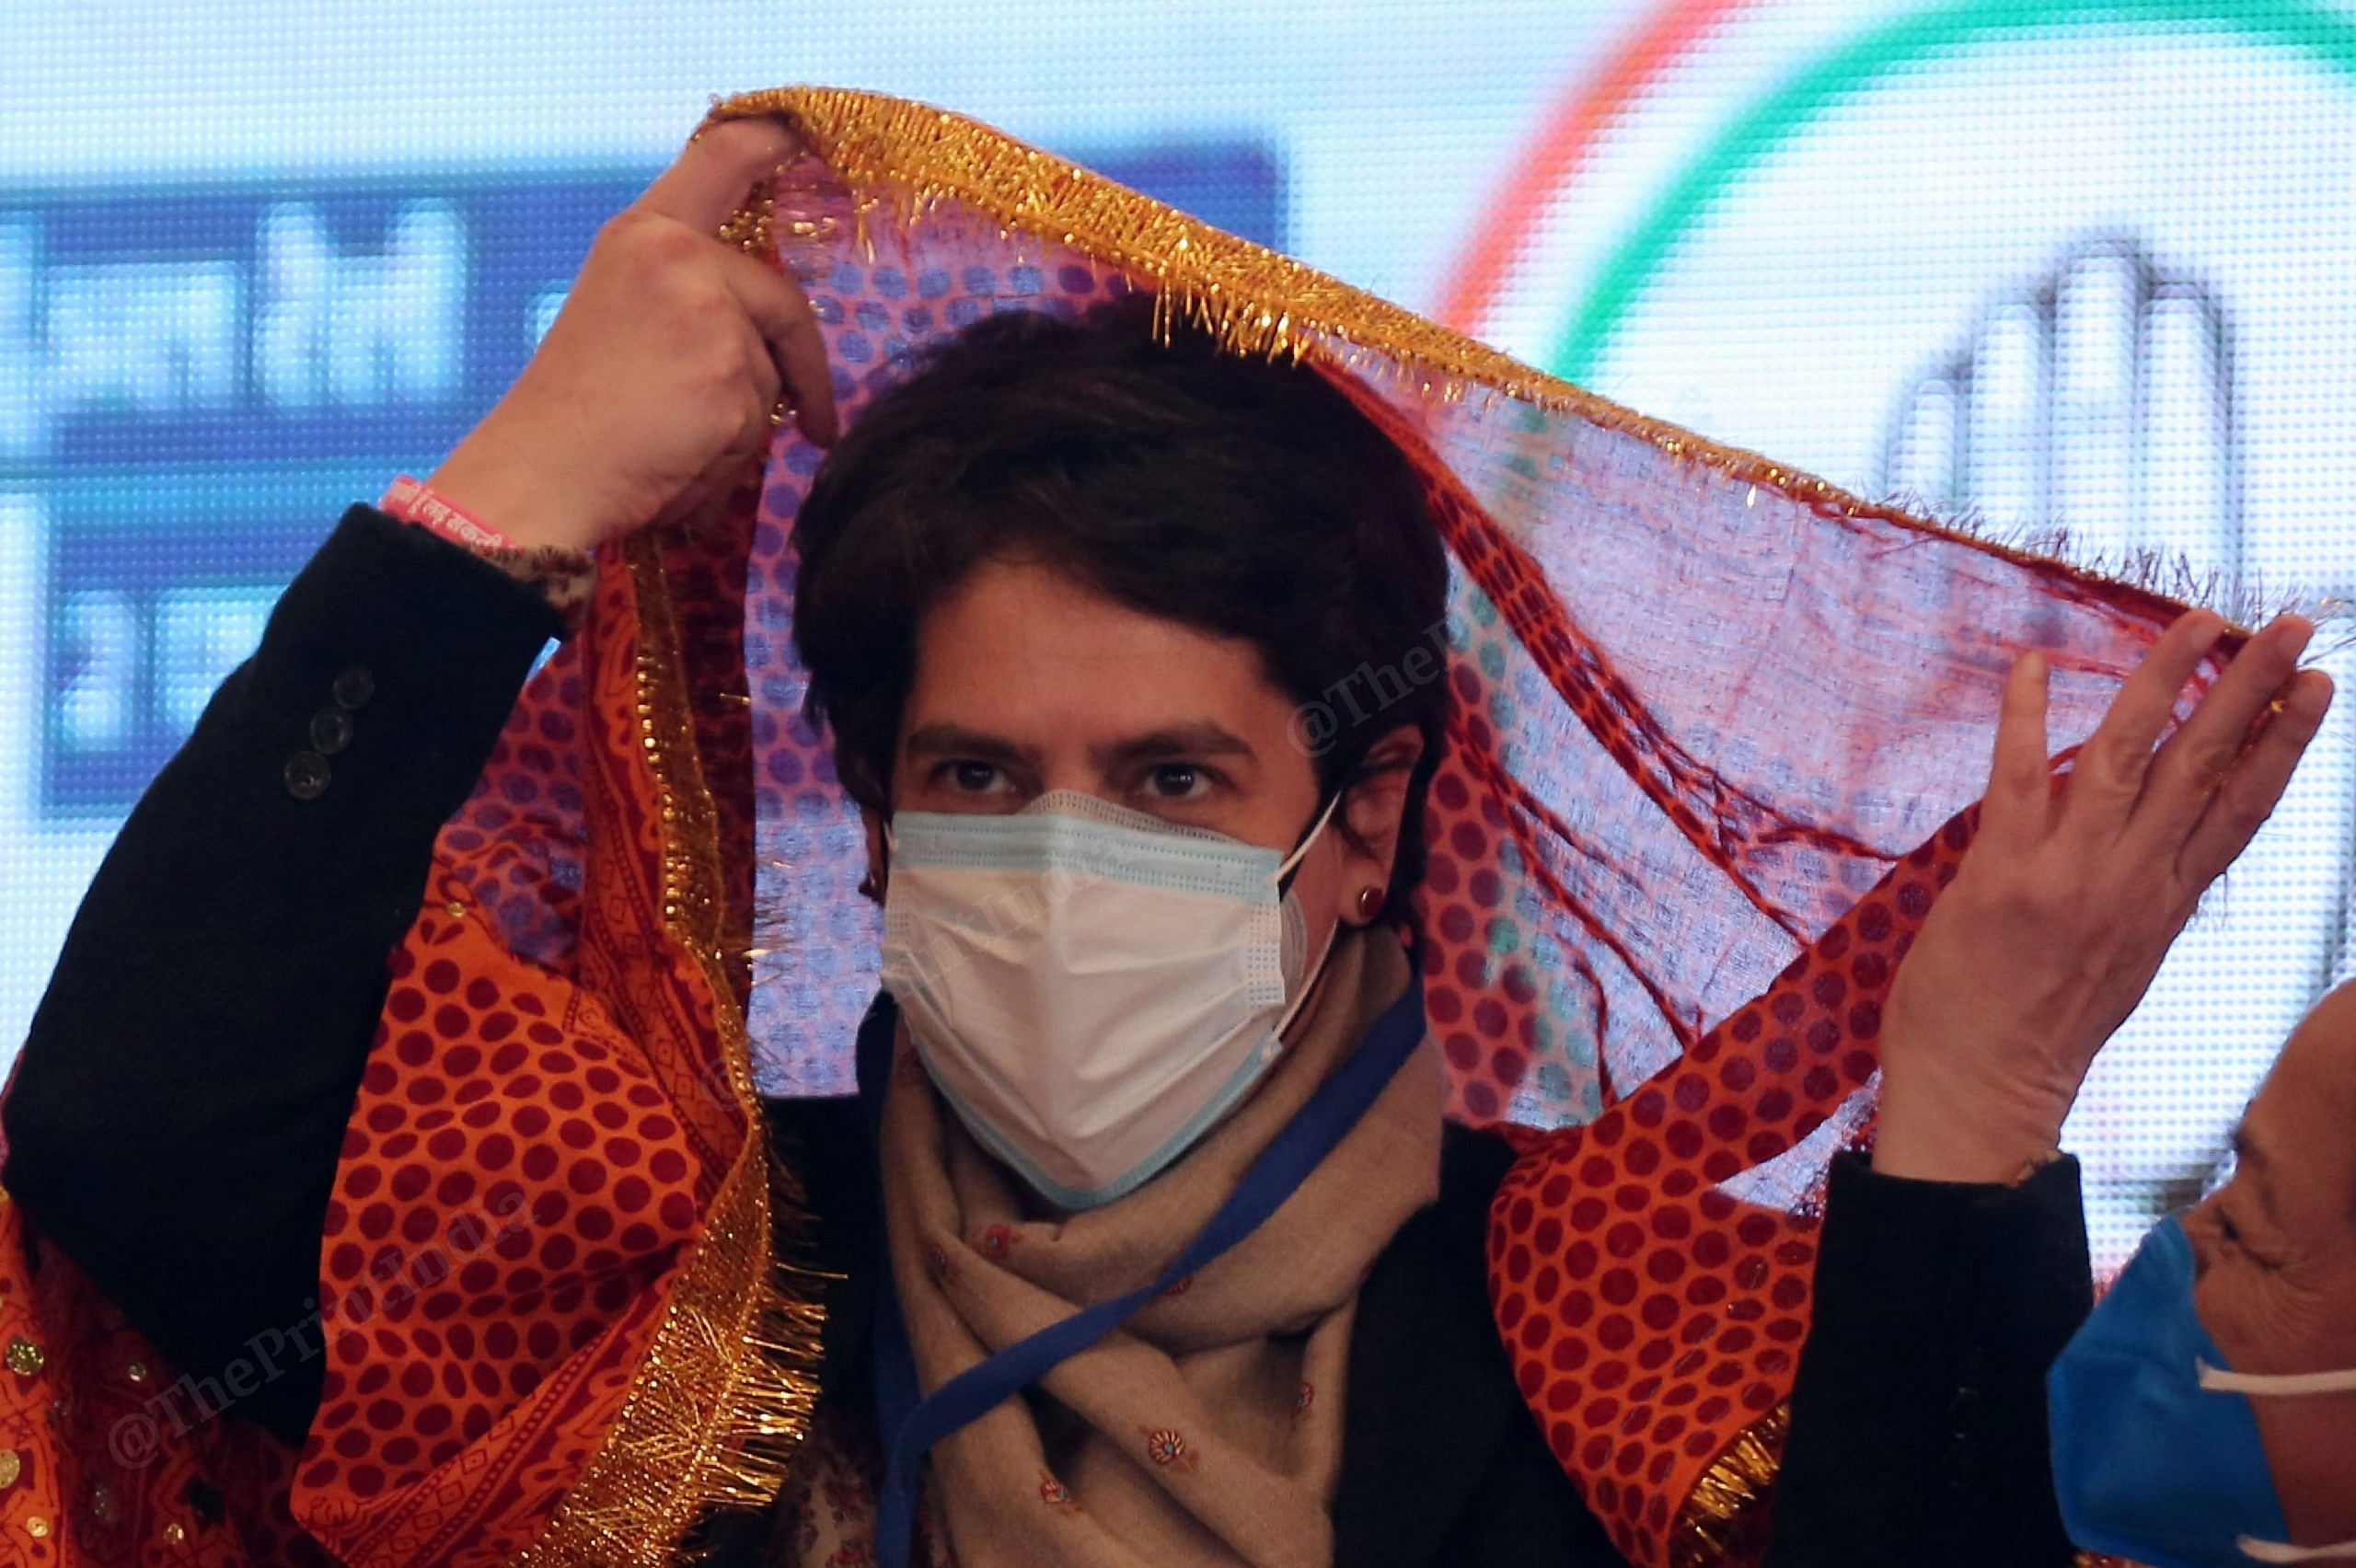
(1370, 902)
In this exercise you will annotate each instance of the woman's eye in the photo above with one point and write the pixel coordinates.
(974, 778)
(1176, 781)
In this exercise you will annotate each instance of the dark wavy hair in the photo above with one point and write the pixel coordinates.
(1244, 497)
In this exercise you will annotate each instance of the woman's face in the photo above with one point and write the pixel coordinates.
(2275, 1249)
(1027, 681)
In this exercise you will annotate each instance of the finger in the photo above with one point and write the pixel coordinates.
(712, 179)
(752, 443)
(779, 312)
(747, 449)
(2020, 791)
(767, 379)
(2109, 775)
(2249, 795)
(2194, 762)
(757, 426)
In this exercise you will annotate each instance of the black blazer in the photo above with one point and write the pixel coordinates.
(176, 1113)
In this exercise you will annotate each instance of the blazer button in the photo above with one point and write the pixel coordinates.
(330, 731)
(355, 685)
(306, 776)
(1962, 1463)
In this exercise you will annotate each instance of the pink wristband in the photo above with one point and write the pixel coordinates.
(412, 501)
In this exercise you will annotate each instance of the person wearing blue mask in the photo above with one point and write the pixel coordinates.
(2205, 1415)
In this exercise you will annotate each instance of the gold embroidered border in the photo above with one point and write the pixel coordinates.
(1724, 1516)
(1260, 301)
(727, 1389)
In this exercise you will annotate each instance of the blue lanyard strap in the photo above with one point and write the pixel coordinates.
(911, 1427)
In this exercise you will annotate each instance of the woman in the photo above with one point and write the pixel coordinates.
(1086, 616)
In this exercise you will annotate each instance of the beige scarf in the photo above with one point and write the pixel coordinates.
(1208, 1430)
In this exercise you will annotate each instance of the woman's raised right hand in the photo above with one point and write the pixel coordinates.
(2068, 899)
(654, 385)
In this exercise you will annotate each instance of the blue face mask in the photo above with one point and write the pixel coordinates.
(2156, 1454)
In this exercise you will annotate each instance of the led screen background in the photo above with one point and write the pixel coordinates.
(2052, 265)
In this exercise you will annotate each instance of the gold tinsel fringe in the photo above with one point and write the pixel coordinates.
(1724, 1517)
(911, 158)
(729, 1386)
(778, 1391)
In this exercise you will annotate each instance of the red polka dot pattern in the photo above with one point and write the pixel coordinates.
(514, 1183)
(538, 1134)
(117, 1459)
(513, 850)
(1652, 1318)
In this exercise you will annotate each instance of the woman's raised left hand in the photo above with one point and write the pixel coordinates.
(2070, 897)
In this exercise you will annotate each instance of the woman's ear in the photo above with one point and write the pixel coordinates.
(1375, 802)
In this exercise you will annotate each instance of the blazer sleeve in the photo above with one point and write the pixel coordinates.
(176, 1111)
(1918, 1428)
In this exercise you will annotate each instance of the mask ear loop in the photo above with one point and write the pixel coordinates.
(2275, 1383)
(2283, 1552)
(877, 883)
(1300, 853)
(1311, 975)
(2278, 1385)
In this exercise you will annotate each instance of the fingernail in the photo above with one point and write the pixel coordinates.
(2311, 697)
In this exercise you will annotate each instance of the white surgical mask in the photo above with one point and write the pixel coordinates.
(1092, 988)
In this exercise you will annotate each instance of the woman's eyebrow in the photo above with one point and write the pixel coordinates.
(942, 738)
(1194, 738)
